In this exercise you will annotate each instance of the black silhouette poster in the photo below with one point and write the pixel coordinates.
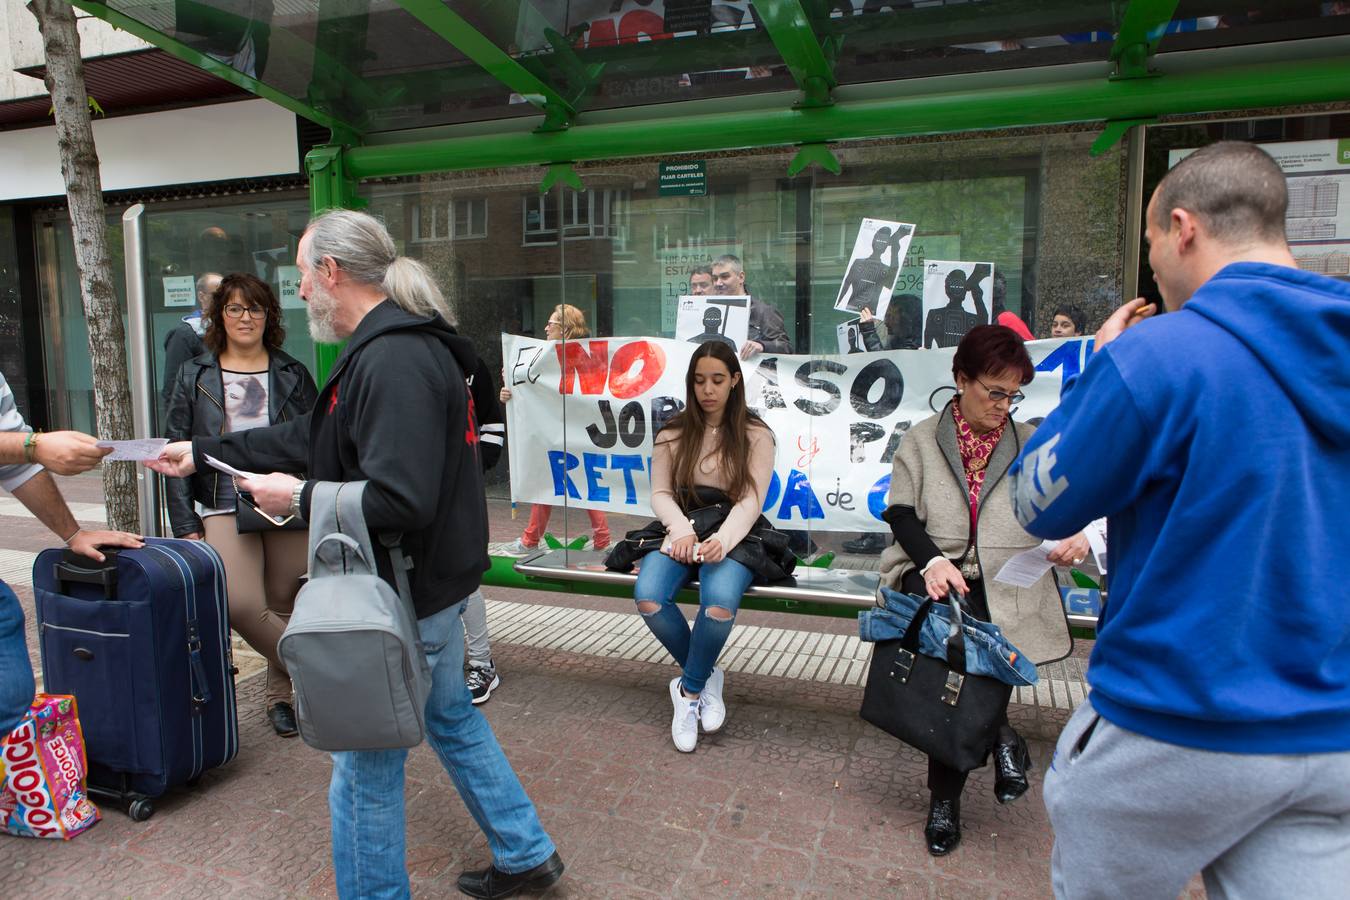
(878, 253)
(850, 338)
(956, 298)
(709, 318)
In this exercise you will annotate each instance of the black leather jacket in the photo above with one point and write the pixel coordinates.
(197, 409)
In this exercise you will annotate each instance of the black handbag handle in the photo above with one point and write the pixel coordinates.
(956, 643)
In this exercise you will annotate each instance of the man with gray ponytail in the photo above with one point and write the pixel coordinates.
(396, 412)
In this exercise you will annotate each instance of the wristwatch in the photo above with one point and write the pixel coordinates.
(296, 493)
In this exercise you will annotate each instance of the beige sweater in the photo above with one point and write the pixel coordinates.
(742, 515)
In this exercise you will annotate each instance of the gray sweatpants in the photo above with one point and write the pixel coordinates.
(478, 650)
(1137, 818)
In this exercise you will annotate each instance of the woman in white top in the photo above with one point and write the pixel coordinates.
(716, 442)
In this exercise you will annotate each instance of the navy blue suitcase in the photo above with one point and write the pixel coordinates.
(143, 642)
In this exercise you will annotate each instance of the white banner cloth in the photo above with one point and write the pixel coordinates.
(580, 420)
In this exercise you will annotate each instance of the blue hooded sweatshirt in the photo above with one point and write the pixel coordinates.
(1217, 441)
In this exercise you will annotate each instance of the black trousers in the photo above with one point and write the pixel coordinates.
(944, 782)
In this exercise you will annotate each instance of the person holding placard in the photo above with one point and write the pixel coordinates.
(566, 323)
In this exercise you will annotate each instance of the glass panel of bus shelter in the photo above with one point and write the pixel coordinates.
(485, 237)
(650, 232)
(1199, 24)
(1009, 229)
(65, 335)
(1311, 149)
(879, 42)
(184, 247)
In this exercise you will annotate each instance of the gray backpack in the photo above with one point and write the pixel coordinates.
(361, 679)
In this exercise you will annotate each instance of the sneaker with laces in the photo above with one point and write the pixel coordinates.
(712, 711)
(517, 548)
(482, 681)
(684, 726)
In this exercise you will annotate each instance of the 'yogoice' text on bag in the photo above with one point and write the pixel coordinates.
(361, 679)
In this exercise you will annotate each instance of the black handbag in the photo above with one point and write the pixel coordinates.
(932, 704)
(764, 550)
(248, 519)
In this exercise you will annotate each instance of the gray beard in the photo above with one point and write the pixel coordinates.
(322, 309)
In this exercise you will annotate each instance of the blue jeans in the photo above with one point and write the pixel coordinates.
(16, 671)
(365, 797)
(720, 584)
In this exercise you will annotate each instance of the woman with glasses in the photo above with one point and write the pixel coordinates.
(243, 380)
(951, 513)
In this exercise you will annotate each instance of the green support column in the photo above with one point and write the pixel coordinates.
(1134, 45)
(791, 33)
(329, 188)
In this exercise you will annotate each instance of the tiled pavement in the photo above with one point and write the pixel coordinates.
(796, 797)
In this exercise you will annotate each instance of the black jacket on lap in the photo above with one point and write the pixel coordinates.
(197, 409)
(396, 412)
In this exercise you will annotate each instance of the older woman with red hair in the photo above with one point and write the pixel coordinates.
(951, 513)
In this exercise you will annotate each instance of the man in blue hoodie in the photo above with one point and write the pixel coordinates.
(1217, 441)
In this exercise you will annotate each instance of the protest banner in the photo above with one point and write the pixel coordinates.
(583, 413)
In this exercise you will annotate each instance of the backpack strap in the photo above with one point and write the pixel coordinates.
(393, 542)
(335, 509)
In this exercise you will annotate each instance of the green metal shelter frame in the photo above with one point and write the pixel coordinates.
(426, 50)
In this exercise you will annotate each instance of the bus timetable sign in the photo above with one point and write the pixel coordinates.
(683, 179)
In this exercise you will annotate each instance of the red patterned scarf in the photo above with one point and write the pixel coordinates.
(975, 451)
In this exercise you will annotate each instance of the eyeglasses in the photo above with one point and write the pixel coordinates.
(553, 323)
(235, 311)
(999, 396)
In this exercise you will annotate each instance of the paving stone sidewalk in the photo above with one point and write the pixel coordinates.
(797, 797)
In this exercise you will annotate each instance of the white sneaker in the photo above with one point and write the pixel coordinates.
(712, 712)
(517, 549)
(684, 726)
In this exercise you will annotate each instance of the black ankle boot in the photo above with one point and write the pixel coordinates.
(1012, 762)
(943, 830)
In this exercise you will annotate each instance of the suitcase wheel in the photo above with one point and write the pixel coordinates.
(140, 810)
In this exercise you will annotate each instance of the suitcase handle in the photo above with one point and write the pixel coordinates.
(77, 569)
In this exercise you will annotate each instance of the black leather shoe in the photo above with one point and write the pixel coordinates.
(492, 883)
(943, 831)
(282, 717)
(1012, 761)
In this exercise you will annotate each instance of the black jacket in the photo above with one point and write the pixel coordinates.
(487, 408)
(180, 345)
(197, 409)
(395, 411)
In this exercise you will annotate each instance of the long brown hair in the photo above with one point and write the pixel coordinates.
(733, 451)
(252, 291)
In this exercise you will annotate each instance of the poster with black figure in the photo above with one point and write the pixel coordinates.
(956, 298)
(878, 253)
(850, 338)
(710, 318)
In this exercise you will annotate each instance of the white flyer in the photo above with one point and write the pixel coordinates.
(1027, 567)
(135, 450)
(227, 468)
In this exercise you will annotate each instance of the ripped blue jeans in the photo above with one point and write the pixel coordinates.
(721, 584)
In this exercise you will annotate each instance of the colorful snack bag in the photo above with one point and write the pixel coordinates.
(42, 772)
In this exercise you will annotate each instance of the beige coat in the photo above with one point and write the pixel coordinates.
(927, 474)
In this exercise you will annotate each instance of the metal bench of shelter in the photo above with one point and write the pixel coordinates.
(811, 591)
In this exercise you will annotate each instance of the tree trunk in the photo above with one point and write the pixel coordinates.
(84, 196)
